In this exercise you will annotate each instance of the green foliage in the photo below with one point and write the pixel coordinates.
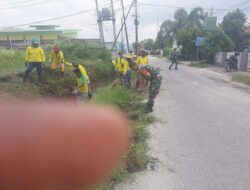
(167, 51)
(85, 51)
(11, 60)
(198, 65)
(216, 41)
(131, 105)
(233, 24)
(149, 44)
(182, 20)
(165, 35)
(242, 78)
(99, 69)
(118, 96)
(186, 38)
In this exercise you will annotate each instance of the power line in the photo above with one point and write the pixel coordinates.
(52, 19)
(28, 5)
(59, 18)
(176, 7)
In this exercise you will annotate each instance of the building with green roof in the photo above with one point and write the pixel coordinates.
(47, 34)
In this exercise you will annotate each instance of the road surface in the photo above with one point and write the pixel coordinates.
(203, 138)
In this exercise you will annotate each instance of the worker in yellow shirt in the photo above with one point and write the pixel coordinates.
(81, 90)
(79, 67)
(57, 59)
(34, 59)
(127, 70)
(121, 68)
(142, 60)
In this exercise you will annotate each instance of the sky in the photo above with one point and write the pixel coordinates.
(151, 14)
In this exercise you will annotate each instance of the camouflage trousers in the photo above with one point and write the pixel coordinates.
(154, 88)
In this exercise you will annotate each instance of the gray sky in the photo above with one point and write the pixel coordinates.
(15, 12)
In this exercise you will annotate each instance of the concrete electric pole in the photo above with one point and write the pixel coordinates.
(126, 30)
(136, 28)
(106, 14)
(99, 20)
(114, 21)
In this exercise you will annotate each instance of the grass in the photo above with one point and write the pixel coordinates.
(132, 105)
(198, 65)
(11, 61)
(242, 78)
(12, 70)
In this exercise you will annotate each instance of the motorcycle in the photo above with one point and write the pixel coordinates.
(232, 63)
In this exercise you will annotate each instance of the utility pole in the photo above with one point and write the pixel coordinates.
(136, 28)
(126, 31)
(122, 37)
(118, 35)
(113, 20)
(157, 26)
(211, 11)
(99, 20)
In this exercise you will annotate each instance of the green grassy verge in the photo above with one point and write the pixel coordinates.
(11, 61)
(242, 78)
(132, 106)
(198, 65)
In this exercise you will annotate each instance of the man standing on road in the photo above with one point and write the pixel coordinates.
(34, 58)
(152, 75)
(174, 58)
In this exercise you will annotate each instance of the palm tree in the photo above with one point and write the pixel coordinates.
(195, 19)
(165, 35)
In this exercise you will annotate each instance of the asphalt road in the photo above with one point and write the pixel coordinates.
(203, 138)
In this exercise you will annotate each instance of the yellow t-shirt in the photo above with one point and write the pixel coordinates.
(122, 65)
(80, 67)
(142, 60)
(56, 59)
(82, 84)
(83, 71)
(35, 55)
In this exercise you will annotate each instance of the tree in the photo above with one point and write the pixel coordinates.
(149, 44)
(182, 20)
(186, 38)
(165, 35)
(233, 24)
(216, 41)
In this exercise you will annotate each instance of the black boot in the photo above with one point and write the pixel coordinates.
(149, 108)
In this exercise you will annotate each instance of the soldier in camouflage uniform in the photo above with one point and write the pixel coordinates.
(153, 76)
(174, 58)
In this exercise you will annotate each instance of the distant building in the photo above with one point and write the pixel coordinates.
(47, 34)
